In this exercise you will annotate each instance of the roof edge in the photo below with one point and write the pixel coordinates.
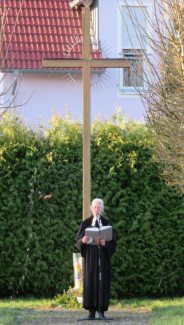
(50, 71)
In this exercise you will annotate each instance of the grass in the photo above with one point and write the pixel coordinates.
(168, 311)
(163, 311)
(12, 311)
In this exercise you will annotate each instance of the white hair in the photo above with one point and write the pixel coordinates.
(97, 200)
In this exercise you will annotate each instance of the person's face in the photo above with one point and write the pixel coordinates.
(96, 208)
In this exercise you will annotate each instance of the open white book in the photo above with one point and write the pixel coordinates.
(102, 232)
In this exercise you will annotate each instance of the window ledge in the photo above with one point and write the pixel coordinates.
(130, 92)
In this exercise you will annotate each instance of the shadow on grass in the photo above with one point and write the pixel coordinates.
(170, 315)
(10, 316)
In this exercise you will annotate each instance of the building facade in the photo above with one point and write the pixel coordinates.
(41, 29)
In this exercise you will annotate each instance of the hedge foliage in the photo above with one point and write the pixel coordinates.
(37, 232)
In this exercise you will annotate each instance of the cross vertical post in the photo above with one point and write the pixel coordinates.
(86, 113)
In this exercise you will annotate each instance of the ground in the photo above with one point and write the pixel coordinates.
(71, 316)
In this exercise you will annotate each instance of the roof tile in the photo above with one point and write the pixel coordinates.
(39, 29)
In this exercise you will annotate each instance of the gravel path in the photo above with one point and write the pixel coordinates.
(68, 316)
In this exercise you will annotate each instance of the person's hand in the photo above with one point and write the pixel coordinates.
(102, 242)
(97, 240)
(85, 239)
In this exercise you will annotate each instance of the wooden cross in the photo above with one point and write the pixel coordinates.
(86, 63)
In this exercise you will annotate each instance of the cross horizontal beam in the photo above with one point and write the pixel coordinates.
(79, 63)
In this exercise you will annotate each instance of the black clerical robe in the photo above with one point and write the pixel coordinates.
(91, 268)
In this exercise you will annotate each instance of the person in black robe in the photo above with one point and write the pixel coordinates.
(90, 254)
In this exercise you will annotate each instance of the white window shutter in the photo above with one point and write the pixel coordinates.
(133, 23)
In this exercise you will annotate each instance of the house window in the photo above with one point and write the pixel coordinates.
(133, 77)
(132, 45)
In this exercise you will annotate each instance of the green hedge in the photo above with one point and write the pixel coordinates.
(37, 234)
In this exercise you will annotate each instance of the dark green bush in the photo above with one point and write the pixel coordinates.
(37, 232)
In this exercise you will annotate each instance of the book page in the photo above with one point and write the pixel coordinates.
(106, 232)
(103, 232)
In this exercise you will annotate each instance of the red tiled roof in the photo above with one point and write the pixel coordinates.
(36, 29)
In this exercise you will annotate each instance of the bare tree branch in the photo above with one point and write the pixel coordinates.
(163, 95)
(12, 90)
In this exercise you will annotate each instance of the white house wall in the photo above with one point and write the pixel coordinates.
(39, 95)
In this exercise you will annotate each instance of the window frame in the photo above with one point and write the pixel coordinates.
(122, 90)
